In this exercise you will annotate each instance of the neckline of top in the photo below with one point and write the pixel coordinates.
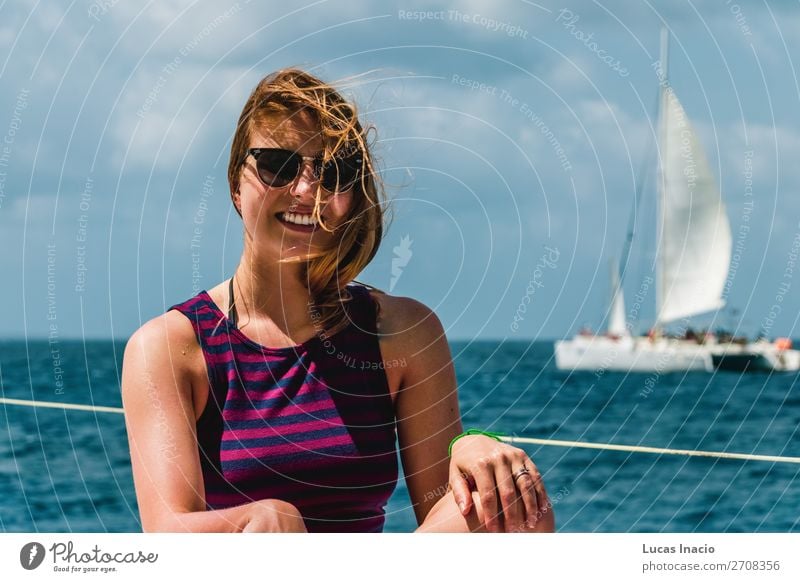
(234, 329)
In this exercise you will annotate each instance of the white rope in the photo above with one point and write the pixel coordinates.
(651, 450)
(508, 439)
(64, 405)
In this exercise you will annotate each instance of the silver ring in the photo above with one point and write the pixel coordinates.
(520, 473)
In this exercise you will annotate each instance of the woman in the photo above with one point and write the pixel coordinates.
(270, 402)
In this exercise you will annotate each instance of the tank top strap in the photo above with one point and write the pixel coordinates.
(206, 321)
(212, 333)
(362, 310)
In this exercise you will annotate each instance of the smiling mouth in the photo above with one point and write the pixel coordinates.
(297, 221)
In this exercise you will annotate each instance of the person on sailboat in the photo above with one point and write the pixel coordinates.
(274, 400)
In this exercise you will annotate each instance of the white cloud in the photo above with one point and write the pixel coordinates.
(160, 116)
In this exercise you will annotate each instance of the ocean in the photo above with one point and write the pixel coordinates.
(69, 471)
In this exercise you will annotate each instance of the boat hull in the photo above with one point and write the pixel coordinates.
(742, 362)
(641, 354)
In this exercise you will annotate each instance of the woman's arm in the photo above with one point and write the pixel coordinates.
(160, 418)
(427, 403)
(428, 419)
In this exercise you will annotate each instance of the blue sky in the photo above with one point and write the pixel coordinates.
(511, 145)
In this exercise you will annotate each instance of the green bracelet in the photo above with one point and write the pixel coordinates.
(471, 431)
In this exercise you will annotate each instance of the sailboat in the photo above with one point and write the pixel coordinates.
(693, 258)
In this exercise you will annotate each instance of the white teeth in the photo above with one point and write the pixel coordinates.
(303, 219)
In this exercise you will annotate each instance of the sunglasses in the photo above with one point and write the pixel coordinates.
(278, 167)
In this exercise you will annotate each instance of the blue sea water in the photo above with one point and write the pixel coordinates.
(70, 470)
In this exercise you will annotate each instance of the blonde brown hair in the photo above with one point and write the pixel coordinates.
(327, 272)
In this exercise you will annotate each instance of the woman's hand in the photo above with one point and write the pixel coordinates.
(274, 515)
(513, 499)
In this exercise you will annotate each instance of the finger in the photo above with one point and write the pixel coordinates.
(528, 499)
(544, 514)
(512, 508)
(487, 493)
(526, 485)
(461, 491)
(545, 521)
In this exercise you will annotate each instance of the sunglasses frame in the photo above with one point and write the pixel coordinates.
(317, 166)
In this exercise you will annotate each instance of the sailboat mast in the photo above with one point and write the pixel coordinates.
(663, 84)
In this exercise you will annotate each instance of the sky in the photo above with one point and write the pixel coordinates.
(512, 136)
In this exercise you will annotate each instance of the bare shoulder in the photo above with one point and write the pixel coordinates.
(406, 321)
(164, 352)
(412, 340)
(170, 332)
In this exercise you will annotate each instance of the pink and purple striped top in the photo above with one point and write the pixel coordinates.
(311, 424)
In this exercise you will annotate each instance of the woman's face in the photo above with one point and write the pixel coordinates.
(264, 208)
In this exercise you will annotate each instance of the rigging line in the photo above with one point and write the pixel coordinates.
(508, 439)
(651, 450)
(63, 405)
(644, 174)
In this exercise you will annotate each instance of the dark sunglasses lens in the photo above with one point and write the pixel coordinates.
(341, 173)
(278, 167)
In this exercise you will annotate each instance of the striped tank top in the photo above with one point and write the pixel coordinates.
(312, 424)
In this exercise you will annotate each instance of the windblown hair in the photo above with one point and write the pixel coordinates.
(288, 92)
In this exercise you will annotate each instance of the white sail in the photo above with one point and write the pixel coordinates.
(616, 321)
(695, 245)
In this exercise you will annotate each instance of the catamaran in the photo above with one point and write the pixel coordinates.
(693, 259)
